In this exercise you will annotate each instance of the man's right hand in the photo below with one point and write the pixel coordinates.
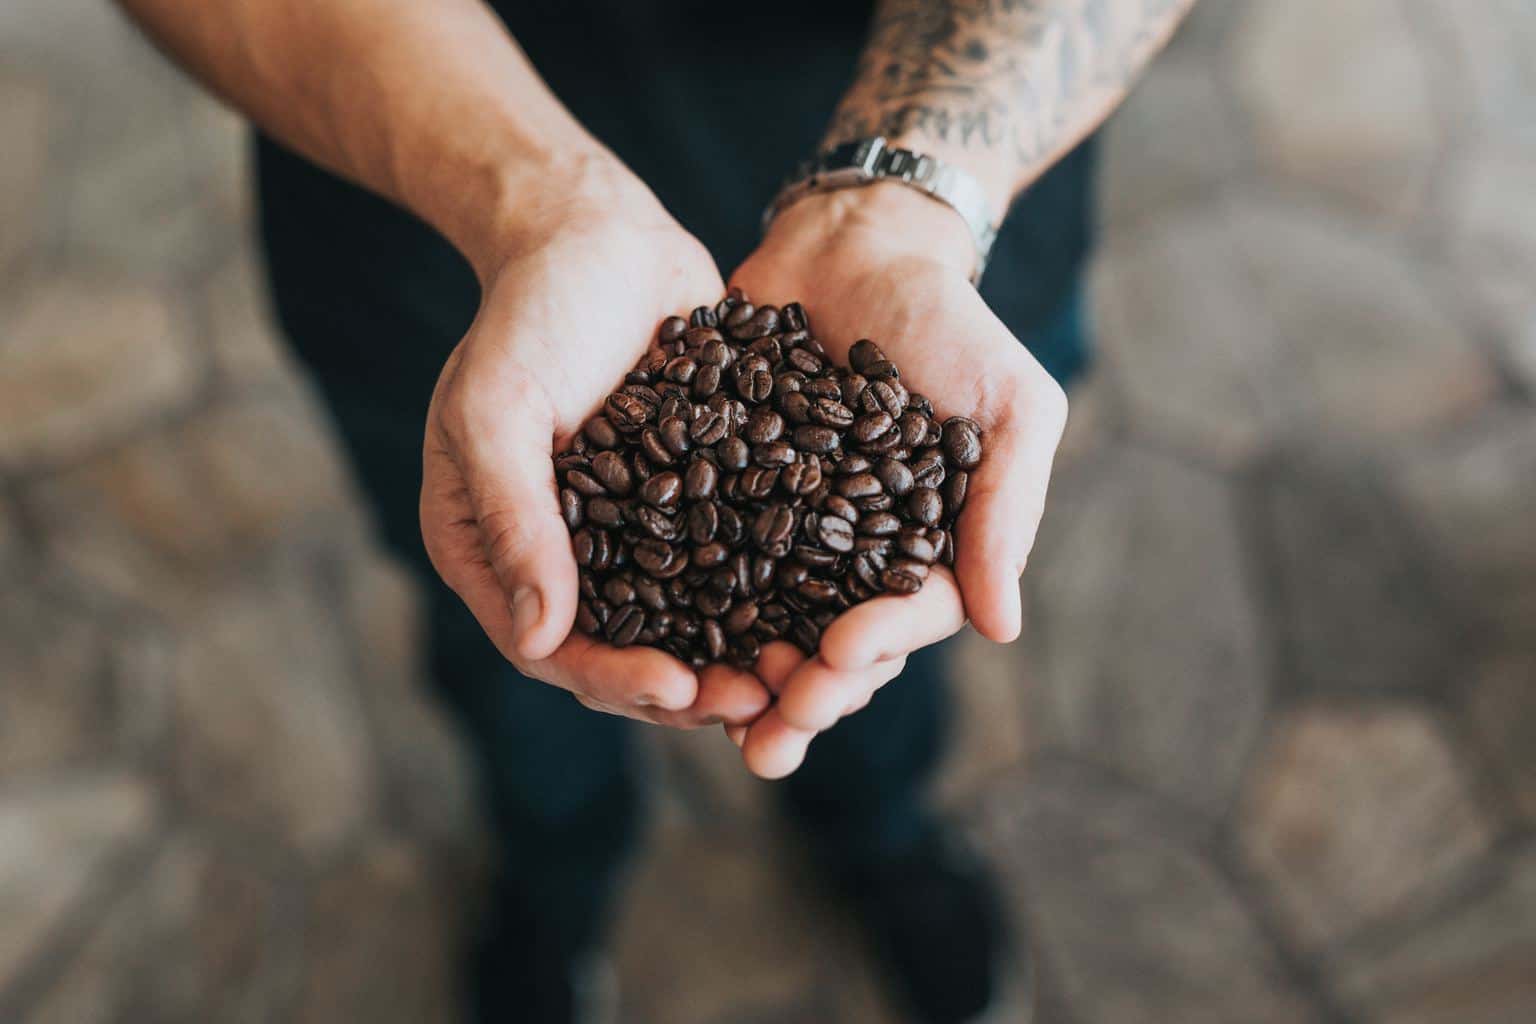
(570, 302)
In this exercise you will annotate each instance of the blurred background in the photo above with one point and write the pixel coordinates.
(1268, 752)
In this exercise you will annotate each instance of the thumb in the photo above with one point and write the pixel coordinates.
(510, 492)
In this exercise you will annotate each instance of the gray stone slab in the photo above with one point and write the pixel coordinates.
(1147, 642)
(27, 124)
(270, 736)
(1174, 141)
(1357, 611)
(425, 762)
(1501, 708)
(1352, 814)
(1339, 96)
(1369, 344)
(1130, 917)
(164, 518)
(244, 339)
(55, 707)
(85, 360)
(1472, 963)
(196, 937)
(381, 943)
(1183, 346)
(1471, 492)
(57, 841)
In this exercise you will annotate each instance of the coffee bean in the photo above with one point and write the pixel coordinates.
(860, 485)
(928, 471)
(818, 440)
(796, 406)
(914, 428)
(962, 442)
(701, 480)
(605, 512)
(601, 433)
(955, 489)
(618, 591)
(899, 581)
(871, 425)
(839, 506)
(763, 426)
(707, 556)
(914, 544)
(835, 533)
(624, 625)
(572, 509)
(926, 506)
(671, 329)
(895, 476)
(714, 639)
(772, 530)
(586, 620)
(741, 618)
(662, 490)
(818, 591)
(775, 453)
(613, 473)
(794, 317)
(829, 412)
(878, 524)
(703, 521)
(708, 428)
(650, 593)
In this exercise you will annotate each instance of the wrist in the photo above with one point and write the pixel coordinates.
(525, 202)
(885, 221)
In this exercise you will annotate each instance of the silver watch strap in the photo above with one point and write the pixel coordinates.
(866, 161)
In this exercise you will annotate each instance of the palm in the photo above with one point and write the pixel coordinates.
(558, 329)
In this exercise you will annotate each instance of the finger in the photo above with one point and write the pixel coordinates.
(816, 695)
(501, 446)
(997, 527)
(894, 625)
(773, 748)
(640, 679)
(727, 696)
(776, 662)
(737, 734)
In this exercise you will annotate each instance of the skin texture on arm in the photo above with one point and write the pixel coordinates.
(1003, 88)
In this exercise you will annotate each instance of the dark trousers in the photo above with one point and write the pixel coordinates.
(372, 302)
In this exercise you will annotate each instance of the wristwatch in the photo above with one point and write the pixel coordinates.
(866, 161)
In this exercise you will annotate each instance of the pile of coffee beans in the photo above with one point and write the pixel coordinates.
(739, 488)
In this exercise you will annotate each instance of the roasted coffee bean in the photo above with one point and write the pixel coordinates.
(879, 524)
(572, 509)
(703, 521)
(763, 426)
(895, 476)
(870, 426)
(962, 442)
(796, 406)
(860, 485)
(955, 489)
(662, 490)
(773, 529)
(707, 520)
(708, 428)
(741, 618)
(926, 506)
(624, 625)
(605, 512)
(613, 473)
(701, 481)
(671, 329)
(829, 412)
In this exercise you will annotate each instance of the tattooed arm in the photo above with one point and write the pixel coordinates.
(1003, 88)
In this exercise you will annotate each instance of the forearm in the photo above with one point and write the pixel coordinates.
(431, 105)
(1002, 88)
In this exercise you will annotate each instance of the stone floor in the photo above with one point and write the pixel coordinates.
(1268, 753)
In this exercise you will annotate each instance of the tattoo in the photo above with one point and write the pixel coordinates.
(1024, 78)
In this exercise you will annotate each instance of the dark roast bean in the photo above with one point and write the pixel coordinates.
(618, 591)
(662, 490)
(829, 412)
(955, 489)
(926, 506)
(706, 382)
(818, 591)
(929, 471)
(703, 521)
(757, 482)
(962, 442)
(796, 406)
(863, 353)
(613, 473)
(586, 620)
(650, 593)
(841, 507)
(835, 533)
(773, 528)
(860, 485)
(879, 524)
(793, 316)
(605, 512)
(871, 425)
(584, 483)
(895, 476)
(582, 545)
(763, 426)
(709, 428)
(819, 440)
(775, 453)
(703, 316)
(572, 509)
(701, 480)
(815, 557)
(624, 625)
(900, 581)
(671, 329)
(914, 428)
(741, 618)
(707, 556)
(914, 544)
(733, 454)
(601, 433)
(714, 639)
(655, 449)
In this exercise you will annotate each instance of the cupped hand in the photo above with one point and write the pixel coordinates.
(564, 315)
(889, 264)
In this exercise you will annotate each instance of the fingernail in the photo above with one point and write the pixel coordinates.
(527, 606)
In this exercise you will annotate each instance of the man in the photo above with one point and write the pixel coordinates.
(558, 189)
